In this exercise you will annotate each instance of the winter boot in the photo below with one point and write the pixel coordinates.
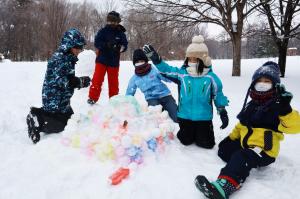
(91, 102)
(33, 127)
(219, 189)
(207, 188)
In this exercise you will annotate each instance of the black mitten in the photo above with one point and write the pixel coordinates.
(224, 117)
(152, 54)
(284, 98)
(74, 82)
(84, 81)
(79, 82)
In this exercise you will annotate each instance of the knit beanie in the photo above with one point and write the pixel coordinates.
(138, 55)
(199, 50)
(270, 70)
(113, 16)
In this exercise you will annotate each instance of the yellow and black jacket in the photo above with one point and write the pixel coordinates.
(263, 127)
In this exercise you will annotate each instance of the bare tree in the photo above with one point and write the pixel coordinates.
(229, 14)
(56, 22)
(170, 41)
(283, 18)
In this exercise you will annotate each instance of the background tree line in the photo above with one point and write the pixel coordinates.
(31, 29)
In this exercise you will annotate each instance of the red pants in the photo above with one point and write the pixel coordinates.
(98, 78)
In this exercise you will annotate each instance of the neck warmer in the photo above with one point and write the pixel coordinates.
(143, 69)
(262, 97)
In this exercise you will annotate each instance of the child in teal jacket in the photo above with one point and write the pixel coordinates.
(198, 87)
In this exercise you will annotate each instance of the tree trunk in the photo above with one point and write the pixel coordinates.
(236, 55)
(282, 58)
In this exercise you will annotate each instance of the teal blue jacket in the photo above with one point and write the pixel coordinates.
(195, 93)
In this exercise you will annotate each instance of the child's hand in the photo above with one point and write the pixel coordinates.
(224, 117)
(285, 98)
(151, 54)
(84, 81)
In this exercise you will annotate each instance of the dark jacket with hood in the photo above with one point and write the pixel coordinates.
(262, 124)
(57, 92)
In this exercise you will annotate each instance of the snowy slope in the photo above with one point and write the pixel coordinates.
(50, 170)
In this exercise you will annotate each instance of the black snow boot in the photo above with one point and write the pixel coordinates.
(91, 102)
(33, 127)
(207, 188)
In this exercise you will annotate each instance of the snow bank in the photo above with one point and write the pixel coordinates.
(50, 170)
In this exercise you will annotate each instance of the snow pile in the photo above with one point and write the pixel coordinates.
(51, 170)
(121, 132)
(5, 61)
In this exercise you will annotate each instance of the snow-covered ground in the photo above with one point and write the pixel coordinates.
(50, 170)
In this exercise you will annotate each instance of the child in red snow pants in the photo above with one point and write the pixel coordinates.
(98, 78)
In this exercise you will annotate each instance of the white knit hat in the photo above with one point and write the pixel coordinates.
(199, 50)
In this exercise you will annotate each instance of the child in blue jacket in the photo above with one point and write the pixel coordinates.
(148, 80)
(198, 87)
(58, 88)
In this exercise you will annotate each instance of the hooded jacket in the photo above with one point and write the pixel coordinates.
(56, 93)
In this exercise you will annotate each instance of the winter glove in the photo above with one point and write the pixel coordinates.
(224, 117)
(152, 54)
(84, 81)
(79, 82)
(284, 98)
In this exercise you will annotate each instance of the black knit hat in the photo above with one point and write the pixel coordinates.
(138, 55)
(270, 70)
(113, 16)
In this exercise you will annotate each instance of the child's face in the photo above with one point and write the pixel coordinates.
(76, 51)
(264, 80)
(192, 60)
(263, 84)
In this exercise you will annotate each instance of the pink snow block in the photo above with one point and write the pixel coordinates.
(119, 151)
(89, 152)
(66, 141)
(123, 127)
(161, 148)
(96, 120)
(105, 125)
(171, 135)
(160, 140)
(117, 177)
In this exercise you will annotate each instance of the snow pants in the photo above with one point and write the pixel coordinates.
(51, 122)
(199, 132)
(168, 103)
(98, 79)
(240, 161)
